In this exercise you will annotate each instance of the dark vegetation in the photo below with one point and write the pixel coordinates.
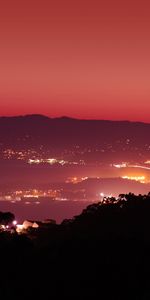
(6, 218)
(104, 253)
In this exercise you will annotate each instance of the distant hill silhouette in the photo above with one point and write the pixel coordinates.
(112, 186)
(36, 129)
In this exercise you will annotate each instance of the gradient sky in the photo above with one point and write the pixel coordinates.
(87, 59)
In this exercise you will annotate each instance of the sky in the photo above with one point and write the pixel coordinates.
(84, 59)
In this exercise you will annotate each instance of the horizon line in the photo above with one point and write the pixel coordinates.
(71, 117)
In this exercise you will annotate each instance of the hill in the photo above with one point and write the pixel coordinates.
(103, 253)
(37, 129)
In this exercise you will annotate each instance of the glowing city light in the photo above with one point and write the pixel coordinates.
(136, 178)
(52, 161)
(76, 179)
(102, 194)
(14, 222)
(127, 165)
(119, 166)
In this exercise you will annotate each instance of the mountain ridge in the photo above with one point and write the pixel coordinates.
(64, 117)
(65, 132)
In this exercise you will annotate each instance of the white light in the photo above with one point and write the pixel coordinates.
(14, 222)
(119, 166)
(102, 194)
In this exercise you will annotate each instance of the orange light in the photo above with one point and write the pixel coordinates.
(136, 178)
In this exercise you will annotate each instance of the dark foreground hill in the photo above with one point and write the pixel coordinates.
(104, 253)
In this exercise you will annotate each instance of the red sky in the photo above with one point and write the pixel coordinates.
(87, 59)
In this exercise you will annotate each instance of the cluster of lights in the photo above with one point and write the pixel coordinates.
(125, 165)
(136, 178)
(7, 227)
(27, 194)
(50, 161)
(19, 155)
(119, 166)
(53, 161)
(75, 180)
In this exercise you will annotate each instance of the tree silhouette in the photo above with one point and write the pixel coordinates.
(6, 218)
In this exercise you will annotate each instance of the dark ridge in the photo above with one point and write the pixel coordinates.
(44, 117)
(67, 132)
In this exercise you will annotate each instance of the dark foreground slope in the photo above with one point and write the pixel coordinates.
(104, 253)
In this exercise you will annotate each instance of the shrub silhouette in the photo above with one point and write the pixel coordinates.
(103, 253)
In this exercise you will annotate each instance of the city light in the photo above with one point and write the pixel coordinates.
(127, 165)
(119, 166)
(50, 161)
(14, 222)
(75, 179)
(102, 194)
(136, 178)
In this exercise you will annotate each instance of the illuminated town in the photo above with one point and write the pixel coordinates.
(65, 164)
